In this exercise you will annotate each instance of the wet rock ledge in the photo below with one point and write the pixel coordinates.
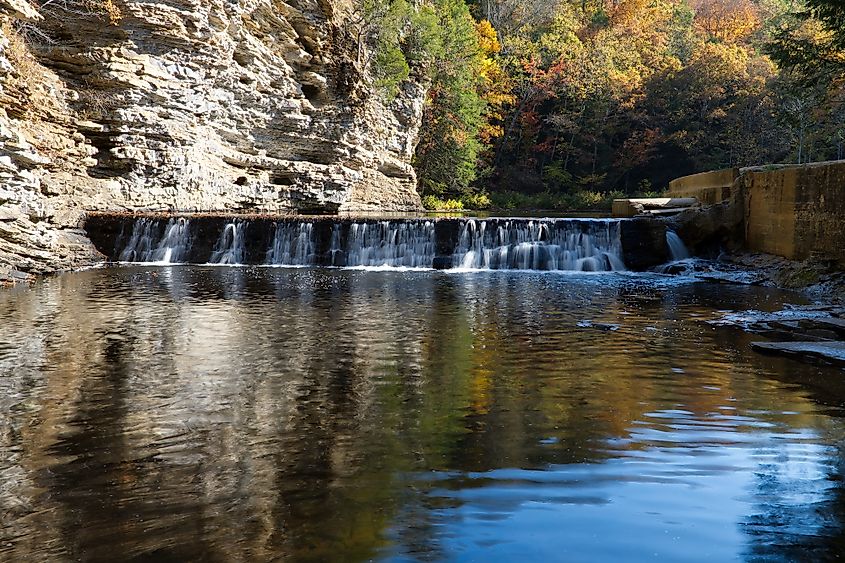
(814, 333)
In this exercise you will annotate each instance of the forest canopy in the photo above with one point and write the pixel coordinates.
(566, 104)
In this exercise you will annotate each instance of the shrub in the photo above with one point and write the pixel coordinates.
(430, 202)
(18, 54)
(509, 200)
(587, 199)
(583, 200)
(434, 203)
(476, 201)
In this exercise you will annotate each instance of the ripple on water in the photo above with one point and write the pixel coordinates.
(198, 413)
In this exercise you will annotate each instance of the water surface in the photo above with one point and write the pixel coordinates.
(254, 414)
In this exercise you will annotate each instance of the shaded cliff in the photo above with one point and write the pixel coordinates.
(189, 105)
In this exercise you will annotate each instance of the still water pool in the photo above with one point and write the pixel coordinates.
(237, 414)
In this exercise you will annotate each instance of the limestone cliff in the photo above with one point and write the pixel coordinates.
(189, 105)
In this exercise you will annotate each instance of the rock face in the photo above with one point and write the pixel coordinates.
(189, 105)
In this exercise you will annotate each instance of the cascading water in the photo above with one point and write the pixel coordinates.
(486, 244)
(389, 243)
(230, 248)
(677, 248)
(149, 242)
(293, 245)
(506, 244)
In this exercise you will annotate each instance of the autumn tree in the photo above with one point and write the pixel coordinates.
(812, 42)
(448, 151)
(569, 98)
(726, 20)
(809, 45)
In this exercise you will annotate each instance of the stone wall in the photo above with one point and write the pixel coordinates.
(188, 105)
(793, 211)
(796, 212)
(707, 187)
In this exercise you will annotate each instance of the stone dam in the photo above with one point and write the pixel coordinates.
(440, 243)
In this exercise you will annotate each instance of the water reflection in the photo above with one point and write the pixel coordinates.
(260, 414)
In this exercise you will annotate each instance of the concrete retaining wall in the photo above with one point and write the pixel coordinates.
(797, 211)
(794, 211)
(707, 187)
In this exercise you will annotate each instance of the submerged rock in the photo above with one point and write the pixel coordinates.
(610, 327)
(807, 333)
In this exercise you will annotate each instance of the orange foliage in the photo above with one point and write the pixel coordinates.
(727, 20)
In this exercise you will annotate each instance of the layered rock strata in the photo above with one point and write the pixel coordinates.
(188, 105)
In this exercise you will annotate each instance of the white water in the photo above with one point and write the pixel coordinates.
(293, 245)
(230, 248)
(587, 246)
(490, 244)
(149, 243)
(677, 248)
(387, 243)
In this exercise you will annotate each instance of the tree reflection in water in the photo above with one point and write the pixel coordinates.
(256, 414)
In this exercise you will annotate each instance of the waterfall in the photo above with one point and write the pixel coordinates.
(293, 245)
(477, 244)
(677, 248)
(230, 247)
(390, 243)
(542, 244)
(154, 241)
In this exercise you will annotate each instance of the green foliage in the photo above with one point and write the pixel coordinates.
(631, 94)
(434, 203)
(681, 37)
(581, 200)
(556, 176)
(439, 39)
(811, 42)
(448, 151)
(611, 98)
(600, 18)
(423, 42)
(476, 201)
(381, 26)
(508, 200)
(587, 200)
(391, 69)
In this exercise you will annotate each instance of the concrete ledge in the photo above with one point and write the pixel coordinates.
(707, 187)
(623, 208)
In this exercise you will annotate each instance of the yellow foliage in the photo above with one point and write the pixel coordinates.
(720, 60)
(105, 8)
(27, 68)
(727, 20)
(497, 86)
(488, 39)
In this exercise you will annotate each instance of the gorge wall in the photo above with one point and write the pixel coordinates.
(188, 105)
